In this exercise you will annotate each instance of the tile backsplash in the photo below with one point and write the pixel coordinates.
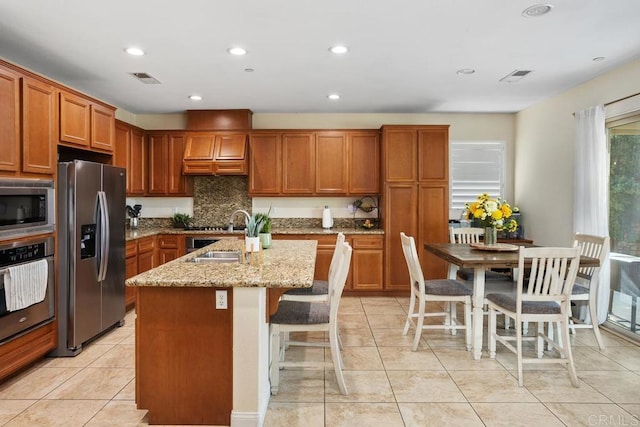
(216, 197)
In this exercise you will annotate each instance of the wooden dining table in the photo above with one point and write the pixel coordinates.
(464, 256)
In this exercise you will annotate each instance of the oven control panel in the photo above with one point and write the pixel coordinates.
(21, 254)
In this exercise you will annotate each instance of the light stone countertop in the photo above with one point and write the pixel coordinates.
(146, 232)
(287, 264)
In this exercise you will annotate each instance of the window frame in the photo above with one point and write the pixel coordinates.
(458, 196)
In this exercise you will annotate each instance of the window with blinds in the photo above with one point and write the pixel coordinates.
(475, 168)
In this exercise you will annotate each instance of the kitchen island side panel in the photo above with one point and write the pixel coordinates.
(184, 360)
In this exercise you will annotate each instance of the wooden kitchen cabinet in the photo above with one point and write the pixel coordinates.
(137, 166)
(367, 263)
(415, 197)
(75, 119)
(166, 150)
(147, 257)
(337, 162)
(171, 246)
(86, 124)
(39, 129)
(364, 162)
(331, 156)
(131, 269)
(366, 270)
(265, 163)
(158, 147)
(298, 163)
(215, 153)
(9, 120)
(130, 152)
(122, 141)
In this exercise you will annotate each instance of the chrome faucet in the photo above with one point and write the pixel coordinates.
(246, 215)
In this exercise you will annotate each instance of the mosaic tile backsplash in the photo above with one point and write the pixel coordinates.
(216, 197)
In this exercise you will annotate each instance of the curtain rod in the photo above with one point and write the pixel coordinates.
(614, 101)
(621, 99)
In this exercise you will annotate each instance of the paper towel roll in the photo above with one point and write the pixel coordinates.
(327, 220)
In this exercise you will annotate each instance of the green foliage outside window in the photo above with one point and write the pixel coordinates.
(624, 194)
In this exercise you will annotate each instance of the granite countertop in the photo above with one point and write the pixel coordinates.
(287, 264)
(146, 232)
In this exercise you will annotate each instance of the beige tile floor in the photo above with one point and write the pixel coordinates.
(439, 385)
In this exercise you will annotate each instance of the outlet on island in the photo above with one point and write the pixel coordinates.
(221, 300)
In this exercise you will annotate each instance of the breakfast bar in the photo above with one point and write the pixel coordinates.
(202, 350)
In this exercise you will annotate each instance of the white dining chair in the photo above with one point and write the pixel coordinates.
(468, 235)
(545, 299)
(588, 279)
(438, 290)
(319, 291)
(306, 316)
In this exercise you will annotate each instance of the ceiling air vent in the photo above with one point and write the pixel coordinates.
(514, 76)
(146, 78)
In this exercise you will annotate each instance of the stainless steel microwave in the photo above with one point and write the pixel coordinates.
(26, 207)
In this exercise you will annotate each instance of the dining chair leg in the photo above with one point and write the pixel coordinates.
(566, 349)
(467, 324)
(274, 371)
(412, 306)
(519, 352)
(453, 317)
(419, 324)
(593, 312)
(336, 358)
(491, 332)
(540, 330)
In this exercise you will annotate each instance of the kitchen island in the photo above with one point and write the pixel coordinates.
(198, 364)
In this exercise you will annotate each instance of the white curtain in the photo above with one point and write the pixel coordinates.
(591, 197)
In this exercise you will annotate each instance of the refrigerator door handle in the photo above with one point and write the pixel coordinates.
(104, 236)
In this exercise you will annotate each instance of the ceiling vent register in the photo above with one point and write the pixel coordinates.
(515, 76)
(146, 78)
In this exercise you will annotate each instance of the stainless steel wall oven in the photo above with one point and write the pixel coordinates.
(27, 207)
(14, 254)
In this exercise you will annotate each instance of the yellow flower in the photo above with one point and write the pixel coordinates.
(506, 211)
(497, 214)
(478, 213)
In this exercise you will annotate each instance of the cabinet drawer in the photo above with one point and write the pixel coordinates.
(131, 249)
(146, 245)
(168, 242)
(324, 242)
(367, 242)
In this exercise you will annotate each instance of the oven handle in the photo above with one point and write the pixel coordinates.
(104, 236)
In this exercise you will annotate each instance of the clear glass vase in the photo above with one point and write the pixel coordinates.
(490, 236)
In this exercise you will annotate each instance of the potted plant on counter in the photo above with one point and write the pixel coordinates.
(254, 227)
(265, 234)
(181, 220)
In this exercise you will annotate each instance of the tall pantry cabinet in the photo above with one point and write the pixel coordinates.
(415, 197)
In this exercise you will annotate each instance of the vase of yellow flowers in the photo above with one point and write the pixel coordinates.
(494, 214)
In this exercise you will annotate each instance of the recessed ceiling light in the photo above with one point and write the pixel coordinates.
(537, 10)
(135, 51)
(465, 71)
(237, 51)
(339, 49)
(598, 59)
(195, 98)
(333, 96)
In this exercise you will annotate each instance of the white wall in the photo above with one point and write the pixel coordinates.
(544, 153)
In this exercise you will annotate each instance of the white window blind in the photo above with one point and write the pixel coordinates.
(475, 168)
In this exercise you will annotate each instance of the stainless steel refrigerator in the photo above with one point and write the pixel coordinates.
(91, 252)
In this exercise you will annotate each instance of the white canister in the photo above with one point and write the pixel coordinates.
(327, 219)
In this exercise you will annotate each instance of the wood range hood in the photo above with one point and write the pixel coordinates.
(217, 142)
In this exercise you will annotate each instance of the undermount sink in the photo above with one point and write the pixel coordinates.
(217, 256)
